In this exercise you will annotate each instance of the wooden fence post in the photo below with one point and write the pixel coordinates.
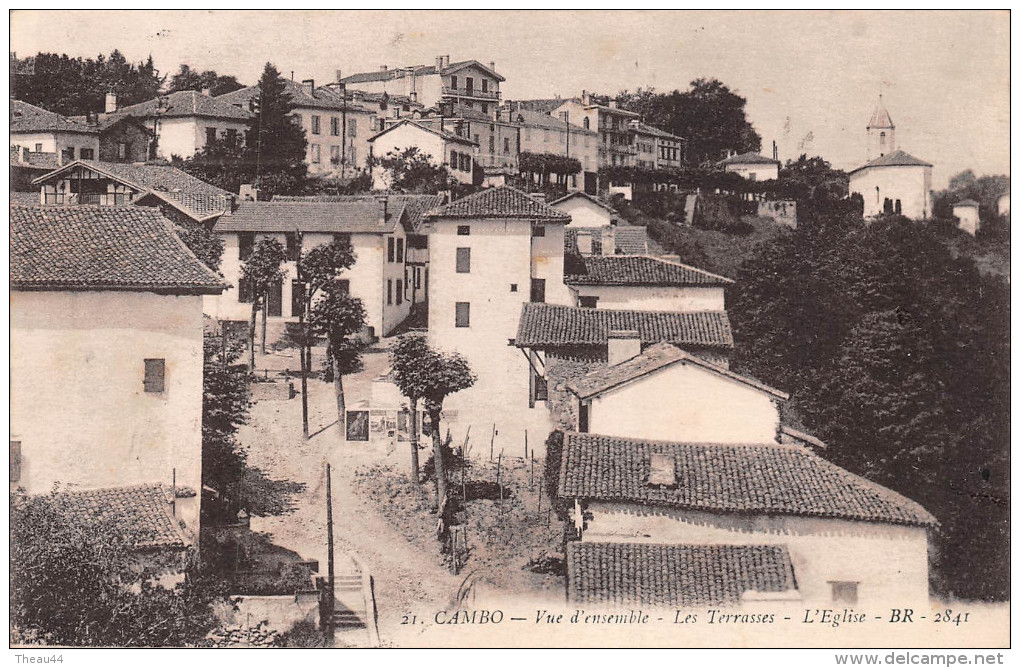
(492, 441)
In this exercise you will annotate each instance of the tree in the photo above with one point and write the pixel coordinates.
(189, 79)
(86, 585)
(317, 268)
(443, 374)
(338, 317)
(261, 272)
(410, 359)
(411, 171)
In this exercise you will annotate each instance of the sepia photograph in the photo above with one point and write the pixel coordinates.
(510, 329)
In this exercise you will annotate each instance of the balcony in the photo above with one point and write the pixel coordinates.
(474, 93)
(101, 199)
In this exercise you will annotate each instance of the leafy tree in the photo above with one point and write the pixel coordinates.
(984, 190)
(338, 316)
(541, 165)
(261, 272)
(441, 374)
(223, 162)
(411, 171)
(410, 359)
(189, 79)
(86, 585)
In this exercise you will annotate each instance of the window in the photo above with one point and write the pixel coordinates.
(342, 238)
(469, 85)
(463, 315)
(465, 162)
(587, 125)
(293, 247)
(121, 150)
(210, 135)
(541, 388)
(297, 298)
(334, 126)
(463, 230)
(400, 250)
(245, 244)
(453, 82)
(538, 231)
(38, 148)
(68, 155)
(492, 144)
(844, 592)
(316, 125)
(15, 461)
(588, 302)
(463, 260)
(87, 154)
(390, 249)
(334, 155)
(389, 291)
(538, 290)
(753, 176)
(513, 287)
(231, 136)
(155, 372)
(506, 144)
(275, 295)
(485, 85)
(485, 108)
(352, 127)
(400, 291)
(352, 155)
(316, 153)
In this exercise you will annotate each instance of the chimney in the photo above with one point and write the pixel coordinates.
(584, 244)
(446, 60)
(624, 344)
(492, 65)
(339, 76)
(308, 85)
(207, 92)
(111, 103)
(439, 63)
(612, 104)
(383, 209)
(585, 98)
(609, 240)
(384, 68)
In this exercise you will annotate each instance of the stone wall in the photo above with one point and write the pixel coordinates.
(562, 366)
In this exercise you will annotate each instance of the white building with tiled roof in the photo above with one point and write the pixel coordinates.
(106, 353)
(39, 131)
(468, 82)
(751, 166)
(644, 283)
(441, 145)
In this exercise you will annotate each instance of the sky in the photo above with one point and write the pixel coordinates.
(811, 79)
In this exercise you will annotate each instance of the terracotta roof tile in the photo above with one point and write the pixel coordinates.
(185, 103)
(199, 207)
(651, 574)
(27, 117)
(547, 325)
(748, 159)
(502, 202)
(141, 512)
(143, 176)
(427, 127)
(102, 248)
(655, 358)
(894, 159)
(631, 240)
(364, 217)
(641, 270)
(758, 479)
(416, 206)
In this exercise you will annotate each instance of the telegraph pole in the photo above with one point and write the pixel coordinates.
(331, 600)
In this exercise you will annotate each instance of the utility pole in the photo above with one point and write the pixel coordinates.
(331, 600)
(306, 361)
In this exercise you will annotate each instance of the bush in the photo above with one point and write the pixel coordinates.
(303, 634)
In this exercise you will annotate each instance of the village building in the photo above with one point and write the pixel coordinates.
(489, 253)
(657, 149)
(557, 135)
(106, 375)
(676, 523)
(497, 138)
(751, 166)
(466, 83)
(644, 283)
(184, 122)
(441, 144)
(615, 147)
(377, 230)
(1002, 204)
(592, 227)
(881, 132)
(44, 133)
(181, 197)
(967, 216)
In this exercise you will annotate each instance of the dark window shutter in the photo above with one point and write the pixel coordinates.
(246, 243)
(538, 290)
(464, 230)
(463, 314)
(297, 298)
(390, 249)
(463, 260)
(400, 250)
(155, 372)
(389, 291)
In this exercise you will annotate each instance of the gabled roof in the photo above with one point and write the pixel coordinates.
(967, 202)
(360, 217)
(655, 358)
(448, 136)
(546, 325)
(27, 118)
(322, 97)
(199, 208)
(631, 239)
(456, 67)
(183, 104)
(770, 479)
(895, 158)
(644, 128)
(641, 270)
(584, 195)
(141, 513)
(415, 206)
(417, 70)
(537, 119)
(104, 122)
(501, 202)
(751, 158)
(103, 248)
(880, 117)
(674, 576)
(141, 177)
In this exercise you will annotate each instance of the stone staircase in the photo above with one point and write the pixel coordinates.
(350, 609)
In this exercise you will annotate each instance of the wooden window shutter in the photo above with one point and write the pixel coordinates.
(155, 375)
(463, 260)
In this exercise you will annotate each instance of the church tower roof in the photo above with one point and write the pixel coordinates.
(880, 118)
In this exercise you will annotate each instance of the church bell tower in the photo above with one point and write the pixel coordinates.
(881, 132)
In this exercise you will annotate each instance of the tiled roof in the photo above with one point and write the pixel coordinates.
(143, 176)
(25, 199)
(644, 128)
(501, 202)
(641, 270)
(196, 207)
(652, 359)
(543, 105)
(26, 159)
(415, 206)
(27, 117)
(967, 202)
(321, 98)
(360, 217)
(537, 119)
(894, 159)
(631, 240)
(880, 118)
(102, 248)
(651, 574)
(186, 103)
(419, 70)
(584, 195)
(427, 127)
(546, 325)
(142, 514)
(751, 479)
(748, 159)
